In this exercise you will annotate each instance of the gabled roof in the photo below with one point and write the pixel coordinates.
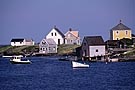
(112, 42)
(120, 26)
(50, 41)
(59, 31)
(17, 40)
(94, 40)
(28, 40)
(73, 32)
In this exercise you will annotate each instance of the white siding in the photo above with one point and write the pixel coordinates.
(17, 43)
(29, 43)
(55, 36)
(96, 51)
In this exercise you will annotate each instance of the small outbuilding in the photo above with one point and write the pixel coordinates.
(93, 47)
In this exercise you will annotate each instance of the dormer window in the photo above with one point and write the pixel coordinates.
(55, 34)
(117, 32)
(96, 50)
(69, 35)
(126, 32)
(52, 34)
(43, 43)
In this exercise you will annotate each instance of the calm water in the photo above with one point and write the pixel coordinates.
(50, 74)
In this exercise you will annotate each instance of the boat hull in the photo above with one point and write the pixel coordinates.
(20, 62)
(79, 65)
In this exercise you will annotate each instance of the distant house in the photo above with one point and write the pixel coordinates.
(29, 42)
(72, 37)
(56, 35)
(120, 31)
(47, 46)
(17, 42)
(93, 47)
(21, 42)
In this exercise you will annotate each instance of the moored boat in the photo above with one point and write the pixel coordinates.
(79, 65)
(17, 59)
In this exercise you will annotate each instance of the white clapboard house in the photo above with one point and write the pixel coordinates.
(21, 42)
(56, 35)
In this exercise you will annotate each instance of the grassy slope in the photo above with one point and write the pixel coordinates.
(62, 49)
(17, 49)
(66, 49)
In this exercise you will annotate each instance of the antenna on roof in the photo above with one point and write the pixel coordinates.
(70, 29)
(120, 20)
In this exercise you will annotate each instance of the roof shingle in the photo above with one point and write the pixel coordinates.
(120, 26)
(94, 40)
(59, 31)
(17, 40)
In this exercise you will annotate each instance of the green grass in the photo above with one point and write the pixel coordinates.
(4, 48)
(10, 50)
(18, 49)
(66, 49)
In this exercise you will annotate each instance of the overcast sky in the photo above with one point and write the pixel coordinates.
(35, 18)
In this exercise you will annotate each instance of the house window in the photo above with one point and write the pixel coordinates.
(117, 32)
(55, 34)
(96, 50)
(71, 41)
(53, 48)
(49, 48)
(126, 32)
(69, 35)
(40, 48)
(44, 43)
(78, 41)
(52, 34)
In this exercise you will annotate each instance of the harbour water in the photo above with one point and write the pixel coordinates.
(48, 73)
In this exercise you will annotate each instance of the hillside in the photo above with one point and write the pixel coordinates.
(66, 49)
(15, 50)
(11, 50)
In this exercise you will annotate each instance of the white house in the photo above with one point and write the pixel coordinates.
(93, 47)
(29, 42)
(21, 42)
(47, 46)
(56, 35)
(72, 37)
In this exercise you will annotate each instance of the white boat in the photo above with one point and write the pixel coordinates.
(18, 60)
(79, 65)
(114, 60)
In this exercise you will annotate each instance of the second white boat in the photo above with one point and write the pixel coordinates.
(79, 65)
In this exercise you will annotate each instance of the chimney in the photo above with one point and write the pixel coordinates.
(120, 21)
(70, 29)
